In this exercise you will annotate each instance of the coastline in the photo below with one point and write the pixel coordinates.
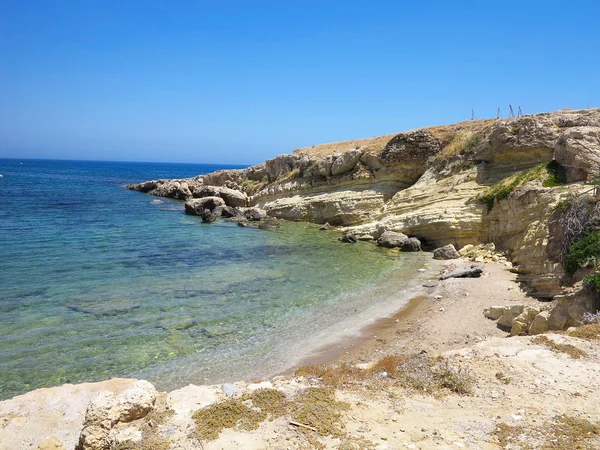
(446, 322)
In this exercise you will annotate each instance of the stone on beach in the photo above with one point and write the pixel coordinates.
(446, 252)
(471, 272)
(391, 239)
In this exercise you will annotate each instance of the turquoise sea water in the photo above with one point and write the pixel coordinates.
(97, 282)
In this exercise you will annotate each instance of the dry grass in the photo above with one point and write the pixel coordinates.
(590, 332)
(445, 133)
(318, 408)
(565, 433)
(374, 144)
(463, 142)
(569, 349)
(315, 407)
(415, 372)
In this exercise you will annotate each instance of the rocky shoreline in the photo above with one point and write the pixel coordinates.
(489, 199)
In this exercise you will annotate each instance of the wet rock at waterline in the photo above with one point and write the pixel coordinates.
(197, 206)
(391, 239)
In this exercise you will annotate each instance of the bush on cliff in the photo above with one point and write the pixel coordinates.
(551, 174)
(585, 250)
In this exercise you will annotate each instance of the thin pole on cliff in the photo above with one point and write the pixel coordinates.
(512, 113)
(473, 116)
(520, 113)
(499, 116)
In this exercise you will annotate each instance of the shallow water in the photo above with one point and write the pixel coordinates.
(97, 282)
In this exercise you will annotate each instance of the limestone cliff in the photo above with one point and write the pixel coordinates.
(428, 183)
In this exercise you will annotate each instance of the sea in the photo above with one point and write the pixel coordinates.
(97, 281)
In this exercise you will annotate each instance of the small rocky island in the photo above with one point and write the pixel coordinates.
(502, 350)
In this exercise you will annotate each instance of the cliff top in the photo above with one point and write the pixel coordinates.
(443, 132)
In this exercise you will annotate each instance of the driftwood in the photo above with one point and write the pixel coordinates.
(298, 424)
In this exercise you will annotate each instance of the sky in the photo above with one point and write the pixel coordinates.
(237, 82)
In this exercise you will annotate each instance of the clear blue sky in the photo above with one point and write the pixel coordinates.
(240, 81)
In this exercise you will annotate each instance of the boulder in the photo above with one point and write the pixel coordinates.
(446, 252)
(137, 401)
(198, 205)
(510, 314)
(269, 224)
(349, 238)
(227, 211)
(209, 216)
(471, 272)
(323, 167)
(521, 323)
(371, 160)
(325, 226)
(540, 323)
(391, 239)
(106, 410)
(231, 197)
(255, 214)
(578, 150)
(345, 162)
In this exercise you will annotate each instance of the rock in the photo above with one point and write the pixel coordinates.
(230, 390)
(364, 237)
(577, 150)
(325, 226)
(521, 323)
(371, 160)
(391, 239)
(101, 415)
(198, 205)
(255, 214)
(137, 401)
(540, 323)
(494, 312)
(345, 162)
(348, 238)
(128, 435)
(446, 252)
(209, 216)
(472, 272)
(323, 167)
(227, 211)
(52, 443)
(568, 309)
(269, 224)
(510, 314)
(244, 224)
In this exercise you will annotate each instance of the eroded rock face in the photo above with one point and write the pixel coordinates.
(519, 224)
(578, 149)
(569, 309)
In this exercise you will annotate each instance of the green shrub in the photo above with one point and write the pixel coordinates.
(551, 174)
(593, 281)
(584, 250)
